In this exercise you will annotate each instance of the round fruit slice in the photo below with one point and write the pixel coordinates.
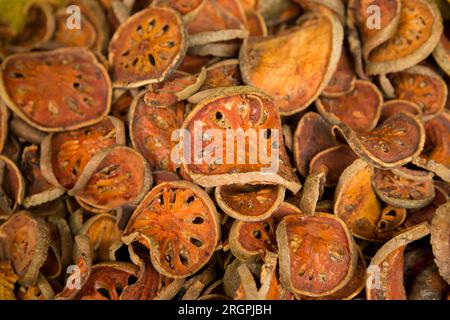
(442, 51)
(440, 229)
(418, 32)
(112, 178)
(12, 186)
(335, 160)
(403, 187)
(64, 37)
(313, 134)
(393, 143)
(240, 141)
(38, 189)
(64, 155)
(317, 254)
(249, 202)
(25, 242)
(103, 235)
(249, 241)
(313, 47)
(385, 271)
(343, 80)
(107, 280)
(422, 86)
(360, 109)
(392, 107)
(147, 47)
(179, 223)
(58, 90)
(437, 143)
(356, 203)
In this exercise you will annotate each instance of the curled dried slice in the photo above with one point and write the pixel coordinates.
(25, 132)
(179, 223)
(437, 142)
(335, 160)
(249, 202)
(107, 281)
(360, 109)
(38, 189)
(343, 80)
(418, 32)
(440, 229)
(392, 107)
(147, 47)
(24, 240)
(385, 271)
(225, 73)
(64, 155)
(103, 235)
(314, 49)
(82, 37)
(356, 203)
(12, 186)
(112, 178)
(403, 187)
(317, 254)
(312, 191)
(313, 134)
(422, 86)
(391, 218)
(249, 241)
(83, 97)
(153, 119)
(255, 23)
(442, 51)
(4, 117)
(393, 143)
(7, 280)
(275, 12)
(241, 141)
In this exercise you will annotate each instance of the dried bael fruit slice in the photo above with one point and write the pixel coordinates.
(107, 281)
(335, 160)
(313, 47)
(391, 218)
(428, 285)
(241, 141)
(255, 23)
(437, 142)
(179, 223)
(12, 186)
(82, 37)
(160, 176)
(104, 236)
(249, 202)
(422, 86)
(418, 32)
(182, 6)
(7, 280)
(24, 240)
(64, 155)
(82, 98)
(375, 29)
(112, 178)
(4, 117)
(147, 47)
(356, 203)
(392, 107)
(416, 216)
(393, 143)
(385, 271)
(313, 134)
(336, 6)
(360, 109)
(38, 189)
(317, 254)
(442, 51)
(343, 80)
(403, 187)
(440, 229)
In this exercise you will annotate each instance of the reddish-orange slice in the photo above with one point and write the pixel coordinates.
(392, 107)
(343, 80)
